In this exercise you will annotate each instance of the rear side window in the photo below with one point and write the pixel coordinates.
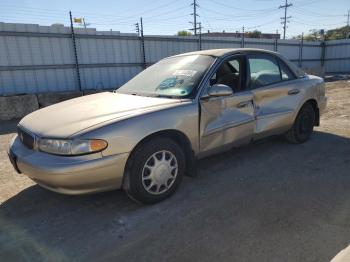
(264, 70)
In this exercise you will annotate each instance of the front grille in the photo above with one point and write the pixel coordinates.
(27, 139)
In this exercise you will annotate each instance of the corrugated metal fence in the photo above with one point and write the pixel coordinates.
(36, 59)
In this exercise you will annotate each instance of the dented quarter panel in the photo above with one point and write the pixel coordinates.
(276, 109)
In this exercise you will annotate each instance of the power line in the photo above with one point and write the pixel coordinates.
(260, 25)
(242, 9)
(317, 25)
(305, 12)
(206, 19)
(285, 18)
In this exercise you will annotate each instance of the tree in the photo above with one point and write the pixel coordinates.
(313, 35)
(253, 34)
(338, 33)
(184, 33)
(332, 34)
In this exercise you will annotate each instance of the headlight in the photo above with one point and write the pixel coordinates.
(71, 147)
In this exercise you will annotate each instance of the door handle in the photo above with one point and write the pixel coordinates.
(293, 92)
(243, 104)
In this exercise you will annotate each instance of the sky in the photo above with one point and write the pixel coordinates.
(166, 17)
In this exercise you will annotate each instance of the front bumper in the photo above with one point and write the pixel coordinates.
(69, 175)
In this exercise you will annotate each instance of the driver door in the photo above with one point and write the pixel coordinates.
(227, 121)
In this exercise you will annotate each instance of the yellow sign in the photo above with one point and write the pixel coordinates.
(77, 20)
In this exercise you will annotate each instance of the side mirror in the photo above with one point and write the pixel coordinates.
(220, 90)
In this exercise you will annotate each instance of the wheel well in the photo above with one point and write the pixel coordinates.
(314, 105)
(178, 137)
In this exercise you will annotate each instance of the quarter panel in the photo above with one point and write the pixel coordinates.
(276, 110)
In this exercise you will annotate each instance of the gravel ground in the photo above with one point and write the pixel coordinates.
(269, 201)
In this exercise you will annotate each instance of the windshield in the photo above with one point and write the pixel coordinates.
(171, 77)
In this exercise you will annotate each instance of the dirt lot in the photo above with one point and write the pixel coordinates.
(269, 201)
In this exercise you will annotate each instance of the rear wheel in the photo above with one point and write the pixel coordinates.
(155, 170)
(303, 125)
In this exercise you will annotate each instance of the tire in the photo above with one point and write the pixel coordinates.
(160, 162)
(303, 125)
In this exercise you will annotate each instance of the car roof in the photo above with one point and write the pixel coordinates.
(227, 51)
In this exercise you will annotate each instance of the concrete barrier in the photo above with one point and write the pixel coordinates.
(47, 99)
(12, 107)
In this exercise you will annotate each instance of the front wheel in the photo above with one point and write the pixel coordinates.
(303, 125)
(156, 169)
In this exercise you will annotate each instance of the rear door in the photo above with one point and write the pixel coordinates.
(276, 94)
(226, 121)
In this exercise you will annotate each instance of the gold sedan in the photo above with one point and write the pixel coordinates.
(147, 134)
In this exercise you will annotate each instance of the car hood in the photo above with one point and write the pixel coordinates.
(69, 117)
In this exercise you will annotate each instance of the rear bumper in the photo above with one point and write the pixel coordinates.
(70, 175)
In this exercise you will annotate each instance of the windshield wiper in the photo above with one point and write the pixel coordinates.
(167, 96)
(152, 95)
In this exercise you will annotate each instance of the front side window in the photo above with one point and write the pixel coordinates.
(172, 77)
(229, 73)
(264, 70)
(286, 74)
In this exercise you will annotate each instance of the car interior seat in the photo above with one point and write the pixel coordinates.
(229, 76)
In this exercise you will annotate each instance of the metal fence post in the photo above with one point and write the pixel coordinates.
(323, 46)
(323, 52)
(75, 51)
(276, 45)
(301, 45)
(242, 38)
(143, 46)
(200, 36)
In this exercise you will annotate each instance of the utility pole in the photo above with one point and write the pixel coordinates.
(75, 51)
(137, 28)
(195, 5)
(143, 45)
(285, 18)
(348, 21)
